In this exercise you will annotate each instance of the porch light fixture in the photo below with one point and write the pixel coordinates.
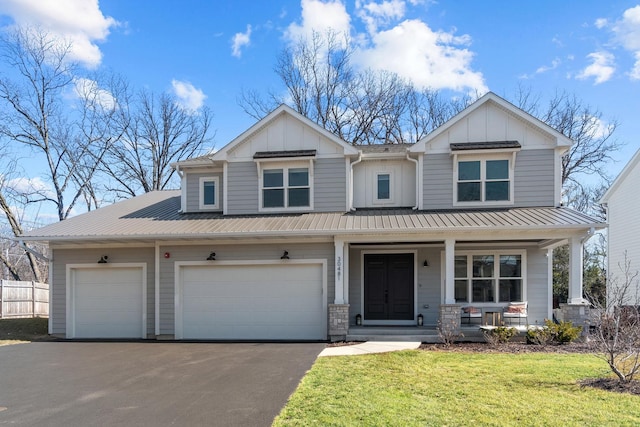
(103, 259)
(211, 257)
(358, 319)
(425, 263)
(420, 319)
(285, 255)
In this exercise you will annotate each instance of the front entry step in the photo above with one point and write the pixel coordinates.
(422, 334)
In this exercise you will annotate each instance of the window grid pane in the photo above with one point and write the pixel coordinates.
(469, 171)
(298, 197)
(468, 191)
(273, 178)
(299, 177)
(273, 198)
(497, 169)
(497, 190)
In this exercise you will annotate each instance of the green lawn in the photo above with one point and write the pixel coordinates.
(424, 388)
(14, 331)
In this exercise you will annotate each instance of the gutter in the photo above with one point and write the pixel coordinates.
(417, 175)
(351, 208)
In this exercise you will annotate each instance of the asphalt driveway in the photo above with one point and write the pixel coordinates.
(149, 384)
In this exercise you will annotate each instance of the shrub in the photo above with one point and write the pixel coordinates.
(499, 335)
(539, 336)
(563, 332)
(557, 333)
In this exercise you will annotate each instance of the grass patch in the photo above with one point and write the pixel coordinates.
(14, 331)
(422, 388)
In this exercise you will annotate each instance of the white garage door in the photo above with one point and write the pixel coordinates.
(106, 302)
(252, 302)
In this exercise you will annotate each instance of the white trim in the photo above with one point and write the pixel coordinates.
(178, 309)
(415, 286)
(70, 278)
(156, 286)
(621, 177)
(216, 193)
(339, 279)
(50, 322)
(420, 183)
(286, 165)
(549, 283)
(225, 191)
(483, 159)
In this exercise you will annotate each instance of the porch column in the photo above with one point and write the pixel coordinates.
(575, 270)
(449, 271)
(339, 271)
(345, 273)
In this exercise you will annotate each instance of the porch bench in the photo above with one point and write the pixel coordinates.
(516, 310)
(469, 313)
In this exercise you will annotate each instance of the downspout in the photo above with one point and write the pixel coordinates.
(183, 197)
(351, 208)
(31, 251)
(417, 177)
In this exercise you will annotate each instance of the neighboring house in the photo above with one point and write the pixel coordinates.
(289, 232)
(623, 204)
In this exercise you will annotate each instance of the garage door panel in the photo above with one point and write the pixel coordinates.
(107, 302)
(253, 302)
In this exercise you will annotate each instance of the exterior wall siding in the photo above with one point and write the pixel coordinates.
(232, 252)
(330, 185)
(242, 186)
(624, 227)
(534, 178)
(437, 181)
(62, 257)
(193, 190)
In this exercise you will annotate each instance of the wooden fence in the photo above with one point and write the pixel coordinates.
(23, 299)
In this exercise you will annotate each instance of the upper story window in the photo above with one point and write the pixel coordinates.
(483, 180)
(383, 187)
(209, 193)
(285, 180)
(285, 188)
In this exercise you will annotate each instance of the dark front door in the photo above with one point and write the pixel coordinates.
(388, 286)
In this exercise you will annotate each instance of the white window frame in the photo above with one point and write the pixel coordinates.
(496, 274)
(376, 200)
(267, 164)
(483, 158)
(216, 193)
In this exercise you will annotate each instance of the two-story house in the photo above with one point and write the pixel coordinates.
(289, 232)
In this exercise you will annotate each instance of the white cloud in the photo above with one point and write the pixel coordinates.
(88, 89)
(601, 23)
(319, 16)
(24, 185)
(376, 14)
(438, 60)
(80, 22)
(601, 68)
(189, 97)
(627, 32)
(239, 41)
(554, 64)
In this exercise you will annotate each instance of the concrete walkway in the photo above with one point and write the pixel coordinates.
(369, 347)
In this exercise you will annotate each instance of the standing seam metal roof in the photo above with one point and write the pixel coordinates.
(156, 215)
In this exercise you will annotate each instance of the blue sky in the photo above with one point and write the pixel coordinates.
(208, 51)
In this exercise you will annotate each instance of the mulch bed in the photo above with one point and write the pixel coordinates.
(612, 384)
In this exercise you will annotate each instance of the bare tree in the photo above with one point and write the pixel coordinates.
(616, 336)
(34, 115)
(153, 131)
(359, 106)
